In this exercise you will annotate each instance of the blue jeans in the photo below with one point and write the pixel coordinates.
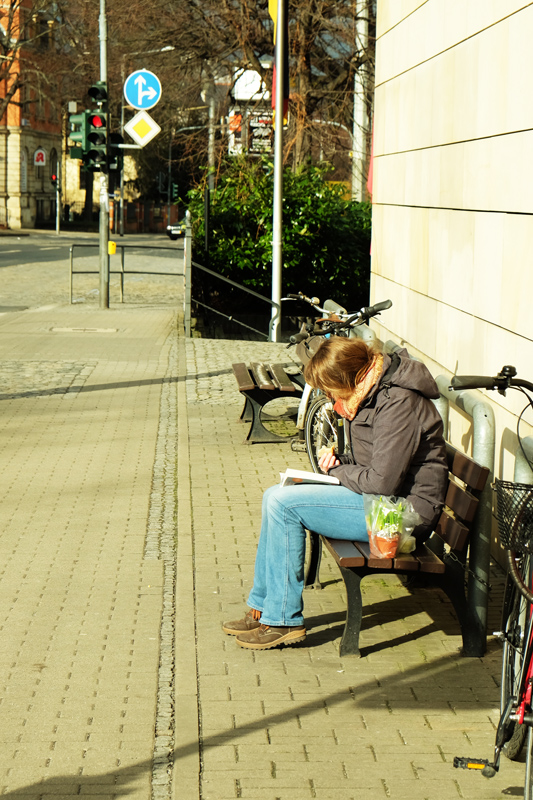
(279, 565)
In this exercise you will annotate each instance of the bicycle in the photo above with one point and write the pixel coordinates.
(514, 512)
(316, 421)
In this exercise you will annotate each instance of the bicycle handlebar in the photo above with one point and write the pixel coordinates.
(298, 337)
(371, 311)
(332, 326)
(472, 382)
(505, 379)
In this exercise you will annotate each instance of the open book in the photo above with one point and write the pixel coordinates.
(292, 476)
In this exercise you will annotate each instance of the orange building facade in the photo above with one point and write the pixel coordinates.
(30, 133)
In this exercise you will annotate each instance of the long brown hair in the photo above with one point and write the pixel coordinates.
(338, 365)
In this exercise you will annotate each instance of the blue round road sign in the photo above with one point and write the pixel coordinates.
(142, 89)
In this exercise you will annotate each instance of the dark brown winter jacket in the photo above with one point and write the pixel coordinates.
(395, 441)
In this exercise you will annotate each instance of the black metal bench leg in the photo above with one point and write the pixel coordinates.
(258, 433)
(312, 575)
(247, 414)
(453, 584)
(349, 645)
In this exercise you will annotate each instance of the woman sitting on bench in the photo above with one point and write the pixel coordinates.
(396, 448)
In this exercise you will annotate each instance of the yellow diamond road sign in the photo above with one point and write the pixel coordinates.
(142, 128)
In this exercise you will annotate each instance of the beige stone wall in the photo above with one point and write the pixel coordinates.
(18, 205)
(453, 189)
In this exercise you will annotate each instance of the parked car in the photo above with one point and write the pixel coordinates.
(176, 230)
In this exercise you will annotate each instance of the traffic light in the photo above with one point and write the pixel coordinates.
(97, 133)
(98, 93)
(116, 153)
(78, 132)
(53, 179)
(97, 136)
(175, 192)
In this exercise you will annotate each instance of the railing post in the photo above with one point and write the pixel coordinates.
(71, 269)
(121, 273)
(187, 271)
(483, 449)
(522, 469)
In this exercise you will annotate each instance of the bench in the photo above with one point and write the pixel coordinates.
(446, 569)
(260, 384)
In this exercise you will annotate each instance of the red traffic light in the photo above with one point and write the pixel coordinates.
(97, 121)
(53, 178)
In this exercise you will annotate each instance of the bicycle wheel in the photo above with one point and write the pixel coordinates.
(320, 429)
(528, 786)
(516, 613)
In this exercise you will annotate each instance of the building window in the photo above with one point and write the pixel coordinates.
(24, 170)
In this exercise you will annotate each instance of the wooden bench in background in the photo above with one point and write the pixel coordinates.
(261, 383)
(442, 560)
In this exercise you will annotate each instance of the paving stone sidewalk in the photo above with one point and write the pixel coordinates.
(81, 599)
(130, 515)
(300, 722)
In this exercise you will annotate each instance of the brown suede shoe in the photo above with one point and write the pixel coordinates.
(242, 625)
(265, 636)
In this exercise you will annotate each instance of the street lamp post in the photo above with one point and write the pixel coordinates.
(360, 114)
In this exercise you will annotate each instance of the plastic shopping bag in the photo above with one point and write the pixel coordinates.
(390, 522)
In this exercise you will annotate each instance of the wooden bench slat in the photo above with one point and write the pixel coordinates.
(452, 531)
(467, 470)
(345, 553)
(281, 378)
(428, 560)
(461, 501)
(262, 378)
(371, 561)
(244, 379)
(406, 562)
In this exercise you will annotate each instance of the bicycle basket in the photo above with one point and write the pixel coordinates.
(514, 512)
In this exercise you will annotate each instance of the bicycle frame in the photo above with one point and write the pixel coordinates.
(518, 707)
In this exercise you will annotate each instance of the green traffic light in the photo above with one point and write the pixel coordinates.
(79, 130)
(98, 92)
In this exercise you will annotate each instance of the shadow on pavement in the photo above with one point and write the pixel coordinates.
(401, 688)
(100, 387)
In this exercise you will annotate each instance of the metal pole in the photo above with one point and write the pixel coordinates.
(483, 449)
(187, 274)
(122, 274)
(169, 194)
(121, 198)
(104, 185)
(71, 269)
(58, 198)
(360, 116)
(277, 218)
(211, 142)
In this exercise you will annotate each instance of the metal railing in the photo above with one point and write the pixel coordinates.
(189, 263)
(122, 271)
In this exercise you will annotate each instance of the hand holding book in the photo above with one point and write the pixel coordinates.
(294, 476)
